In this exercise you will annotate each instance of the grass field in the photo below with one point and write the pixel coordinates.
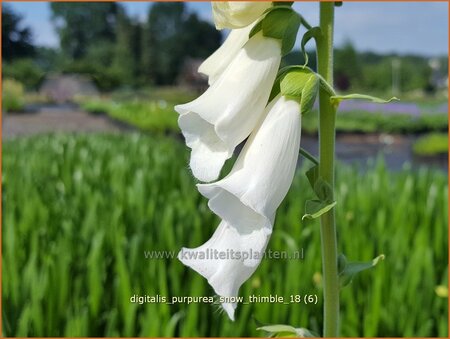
(79, 212)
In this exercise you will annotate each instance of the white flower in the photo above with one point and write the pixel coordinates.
(229, 258)
(237, 14)
(246, 199)
(222, 117)
(214, 66)
(250, 194)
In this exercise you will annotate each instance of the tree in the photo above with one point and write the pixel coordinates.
(348, 71)
(16, 40)
(124, 61)
(171, 35)
(199, 37)
(82, 25)
(164, 28)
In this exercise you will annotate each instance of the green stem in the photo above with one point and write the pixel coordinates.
(309, 156)
(327, 116)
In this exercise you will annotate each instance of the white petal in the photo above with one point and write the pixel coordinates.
(209, 152)
(214, 66)
(237, 14)
(229, 110)
(217, 259)
(263, 172)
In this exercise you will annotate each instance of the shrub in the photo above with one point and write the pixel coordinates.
(13, 97)
(146, 115)
(431, 144)
(25, 71)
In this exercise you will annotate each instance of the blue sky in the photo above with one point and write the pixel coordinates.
(400, 27)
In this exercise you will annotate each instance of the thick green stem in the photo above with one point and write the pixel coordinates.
(327, 116)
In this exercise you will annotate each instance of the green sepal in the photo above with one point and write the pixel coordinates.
(313, 32)
(287, 331)
(338, 3)
(257, 28)
(347, 270)
(309, 94)
(315, 208)
(336, 99)
(302, 85)
(282, 23)
(275, 90)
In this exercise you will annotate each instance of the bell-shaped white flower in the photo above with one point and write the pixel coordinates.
(216, 63)
(247, 198)
(237, 14)
(222, 117)
(250, 194)
(228, 259)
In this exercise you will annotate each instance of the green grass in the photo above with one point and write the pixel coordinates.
(79, 212)
(431, 144)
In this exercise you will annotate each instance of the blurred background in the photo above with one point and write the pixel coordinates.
(95, 173)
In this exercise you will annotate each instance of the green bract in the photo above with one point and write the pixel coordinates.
(313, 32)
(282, 23)
(325, 202)
(347, 270)
(315, 208)
(338, 98)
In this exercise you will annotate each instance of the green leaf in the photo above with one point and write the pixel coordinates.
(350, 269)
(282, 23)
(314, 32)
(315, 208)
(336, 99)
(287, 331)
